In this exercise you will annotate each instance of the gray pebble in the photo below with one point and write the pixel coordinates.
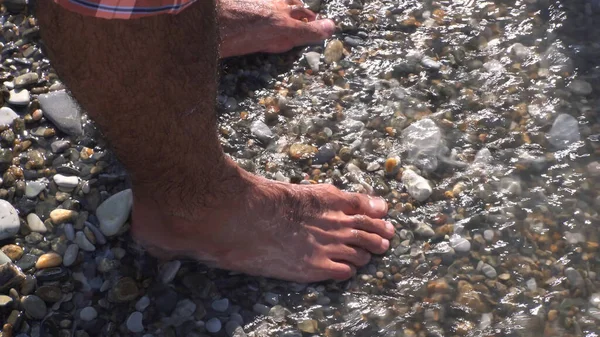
(134, 322)
(220, 305)
(213, 325)
(88, 314)
(34, 306)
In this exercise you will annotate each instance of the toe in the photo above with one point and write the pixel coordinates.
(343, 253)
(376, 226)
(355, 203)
(369, 241)
(340, 271)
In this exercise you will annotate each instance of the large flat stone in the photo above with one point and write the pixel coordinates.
(62, 110)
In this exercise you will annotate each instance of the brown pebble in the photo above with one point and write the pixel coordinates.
(59, 216)
(7, 330)
(14, 252)
(48, 260)
(552, 315)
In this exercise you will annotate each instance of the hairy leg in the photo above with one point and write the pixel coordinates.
(150, 84)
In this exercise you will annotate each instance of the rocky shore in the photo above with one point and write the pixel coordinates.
(478, 122)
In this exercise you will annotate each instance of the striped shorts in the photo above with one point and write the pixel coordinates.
(124, 9)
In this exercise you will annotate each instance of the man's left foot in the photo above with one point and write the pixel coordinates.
(268, 26)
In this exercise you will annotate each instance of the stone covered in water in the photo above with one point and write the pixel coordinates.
(334, 51)
(424, 142)
(417, 186)
(114, 212)
(564, 132)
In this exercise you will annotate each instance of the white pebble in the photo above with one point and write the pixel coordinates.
(19, 97)
(88, 314)
(142, 303)
(66, 181)
(35, 223)
(459, 243)
(417, 186)
(488, 235)
(34, 188)
(213, 325)
(134, 322)
(9, 220)
(595, 300)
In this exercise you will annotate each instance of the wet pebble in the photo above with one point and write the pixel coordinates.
(35, 223)
(7, 116)
(9, 220)
(67, 182)
(564, 131)
(333, 51)
(213, 325)
(169, 270)
(261, 131)
(142, 303)
(313, 59)
(48, 260)
(134, 322)
(60, 216)
(82, 241)
(459, 243)
(417, 186)
(489, 271)
(34, 306)
(19, 97)
(88, 314)
(220, 305)
(580, 87)
(70, 255)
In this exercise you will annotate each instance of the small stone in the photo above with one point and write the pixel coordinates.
(5, 302)
(271, 298)
(334, 51)
(460, 244)
(430, 63)
(9, 220)
(417, 186)
(34, 188)
(83, 242)
(7, 116)
(10, 276)
(299, 151)
(220, 305)
(13, 252)
(489, 271)
(213, 325)
(564, 132)
(62, 111)
(142, 303)
(59, 216)
(114, 212)
(26, 80)
(392, 165)
(261, 131)
(373, 166)
(34, 307)
(88, 314)
(4, 258)
(70, 255)
(35, 223)
(49, 293)
(313, 59)
(60, 146)
(504, 276)
(67, 182)
(48, 260)
(308, 326)
(488, 235)
(424, 230)
(278, 313)
(531, 284)
(124, 290)
(574, 277)
(134, 322)
(261, 309)
(19, 97)
(168, 271)
(580, 87)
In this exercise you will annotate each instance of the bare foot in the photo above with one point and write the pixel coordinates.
(271, 26)
(302, 233)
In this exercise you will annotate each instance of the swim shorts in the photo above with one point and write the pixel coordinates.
(124, 9)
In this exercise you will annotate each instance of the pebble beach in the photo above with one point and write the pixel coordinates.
(477, 121)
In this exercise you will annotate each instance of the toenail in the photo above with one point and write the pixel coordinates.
(378, 204)
(389, 226)
(385, 243)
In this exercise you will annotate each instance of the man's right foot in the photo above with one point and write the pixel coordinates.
(300, 233)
